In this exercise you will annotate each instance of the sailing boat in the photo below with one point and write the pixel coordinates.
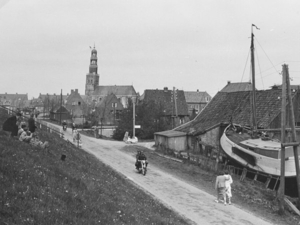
(259, 153)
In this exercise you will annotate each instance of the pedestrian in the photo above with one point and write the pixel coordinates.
(220, 187)
(228, 183)
(31, 123)
(73, 126)
(11, 124)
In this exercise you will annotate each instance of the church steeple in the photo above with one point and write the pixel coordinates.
(93, 61)
(92, 78)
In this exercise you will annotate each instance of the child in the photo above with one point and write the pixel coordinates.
(228, 183)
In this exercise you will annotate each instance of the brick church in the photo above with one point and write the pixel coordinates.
(95, 93)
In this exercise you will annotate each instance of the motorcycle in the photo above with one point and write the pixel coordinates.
(142, 167)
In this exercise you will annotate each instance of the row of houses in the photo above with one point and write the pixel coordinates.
(230, 105)
(108, 102)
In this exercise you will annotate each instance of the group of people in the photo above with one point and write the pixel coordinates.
(25, 132)
(223, 187)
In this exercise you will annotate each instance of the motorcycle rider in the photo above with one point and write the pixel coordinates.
(140, 156)
(64, 125)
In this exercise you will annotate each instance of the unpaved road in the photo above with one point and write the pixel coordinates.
(185, 199)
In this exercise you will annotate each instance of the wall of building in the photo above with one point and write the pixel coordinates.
(172, 143)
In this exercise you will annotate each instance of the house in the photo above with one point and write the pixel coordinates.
(234, 87)
(76, 106)
(204, 132)
(108, 110)
(60, 113)
(123, 93)
(196, 100)
(14, 101)
(47, 102)
(175, 110)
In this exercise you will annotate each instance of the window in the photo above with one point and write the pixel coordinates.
(114, 105)
(207, 99)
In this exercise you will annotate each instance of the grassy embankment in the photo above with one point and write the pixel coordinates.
(37, 187)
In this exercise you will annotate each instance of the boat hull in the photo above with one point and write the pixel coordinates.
(255, 161)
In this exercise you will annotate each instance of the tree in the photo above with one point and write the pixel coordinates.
(149, 115)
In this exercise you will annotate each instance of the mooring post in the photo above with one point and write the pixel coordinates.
(283, 123)
(294, 138)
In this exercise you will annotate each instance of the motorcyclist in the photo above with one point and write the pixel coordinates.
(64, 124)
(140, 156)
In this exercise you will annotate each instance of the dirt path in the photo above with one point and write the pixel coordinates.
(189, 201)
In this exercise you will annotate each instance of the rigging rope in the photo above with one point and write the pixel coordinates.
(267, 55)
(245, 65)
(262, 81)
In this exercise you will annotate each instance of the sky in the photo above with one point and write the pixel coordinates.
(187, 44)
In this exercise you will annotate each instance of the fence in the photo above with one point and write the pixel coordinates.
(243, 174)
(39, 123)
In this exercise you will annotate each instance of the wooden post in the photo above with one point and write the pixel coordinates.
(60, 107)
(283, 122)
(133, 119)
(294, 138)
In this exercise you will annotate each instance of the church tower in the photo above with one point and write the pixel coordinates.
(92, 78)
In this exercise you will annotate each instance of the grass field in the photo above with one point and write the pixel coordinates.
(37, 187)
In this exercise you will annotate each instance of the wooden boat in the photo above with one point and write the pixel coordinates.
(260, 153)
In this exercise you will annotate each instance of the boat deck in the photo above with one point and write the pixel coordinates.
(267, 148)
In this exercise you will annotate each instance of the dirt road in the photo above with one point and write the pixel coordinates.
(189, 201)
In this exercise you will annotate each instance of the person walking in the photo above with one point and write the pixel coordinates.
(220, 187)
(228, 182)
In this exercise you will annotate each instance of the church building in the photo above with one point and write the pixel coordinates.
(95, 93)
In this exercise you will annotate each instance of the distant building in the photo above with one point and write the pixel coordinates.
(95, 93)
(170, 107)
(234, 87)
(108, 110)
(14, 101)
(47, 102)
(196, 100)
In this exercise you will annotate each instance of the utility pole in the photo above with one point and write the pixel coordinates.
(174, 105)
(60, 106)
(133, 119)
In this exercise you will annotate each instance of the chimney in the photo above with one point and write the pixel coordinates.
(72, 91)
(76, 90)
(228, 82)
(197, 90)
(165, 89)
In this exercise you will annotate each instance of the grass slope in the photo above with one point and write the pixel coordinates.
(37, 187)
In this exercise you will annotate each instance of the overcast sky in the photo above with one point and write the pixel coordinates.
(190, 45)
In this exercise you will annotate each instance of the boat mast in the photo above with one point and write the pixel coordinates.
(254, 125)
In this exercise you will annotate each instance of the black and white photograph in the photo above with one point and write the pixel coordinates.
(149, 112)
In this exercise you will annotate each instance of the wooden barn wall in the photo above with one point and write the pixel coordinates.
(211, 137)
(173, 143)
